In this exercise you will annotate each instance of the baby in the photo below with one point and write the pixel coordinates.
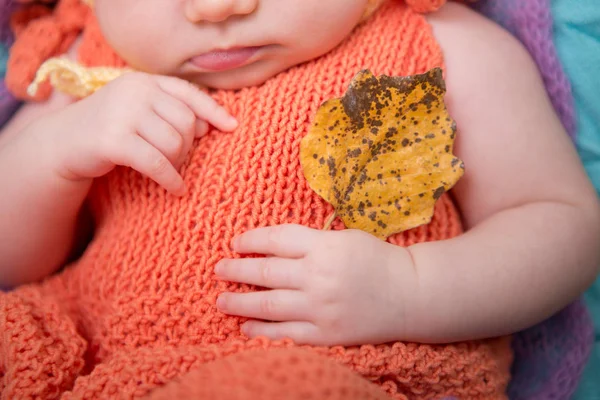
(179, 186)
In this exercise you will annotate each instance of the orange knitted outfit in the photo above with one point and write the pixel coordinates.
(137, 311)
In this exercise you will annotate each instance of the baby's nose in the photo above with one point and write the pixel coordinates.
(218, 10)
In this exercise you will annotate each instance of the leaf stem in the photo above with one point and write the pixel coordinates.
(329, 221)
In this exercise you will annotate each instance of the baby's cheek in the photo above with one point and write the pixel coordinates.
(135, 33)
(329, 23)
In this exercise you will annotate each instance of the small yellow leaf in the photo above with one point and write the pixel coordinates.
(382, 154)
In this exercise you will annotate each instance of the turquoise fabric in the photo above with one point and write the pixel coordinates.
(3, 59)
(589, 388)
(577, 38)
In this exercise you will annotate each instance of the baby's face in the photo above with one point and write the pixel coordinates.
(225, 44)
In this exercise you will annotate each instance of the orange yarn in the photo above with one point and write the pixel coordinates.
(137, 311)
(425, 5)
(249, 376)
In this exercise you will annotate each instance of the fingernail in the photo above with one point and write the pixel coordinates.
(221, 303)
(233, 122)
(245, 330)
(234, 243)
(218, 268)
(181, 191)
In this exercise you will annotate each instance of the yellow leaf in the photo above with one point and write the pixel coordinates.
(382, 154)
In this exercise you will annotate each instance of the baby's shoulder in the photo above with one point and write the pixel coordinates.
(485, 65)
(476, 45)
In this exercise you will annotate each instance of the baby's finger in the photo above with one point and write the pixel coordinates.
(201, 128)
(140, 155)
(289, 241)
(163, 136)
(178, 115)
(268, 272)
(204, 106)
(300, 332)
(270, 305)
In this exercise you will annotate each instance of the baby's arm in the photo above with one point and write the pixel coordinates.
(533, 218)
(39, 211)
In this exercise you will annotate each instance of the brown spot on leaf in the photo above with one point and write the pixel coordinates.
(438, 192)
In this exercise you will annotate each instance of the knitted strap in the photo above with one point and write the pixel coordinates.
(58, 28)
(420, 6)
(425, 6)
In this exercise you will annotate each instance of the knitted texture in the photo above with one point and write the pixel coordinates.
(552, 355)
(425, 5)
(250, 376)
(59, 30)
(8, 103)
(138, 309)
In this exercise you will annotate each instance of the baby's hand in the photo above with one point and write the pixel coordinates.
(328, 288)
(146, 122)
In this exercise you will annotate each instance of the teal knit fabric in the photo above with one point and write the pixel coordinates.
(3, 59)
(577, 38)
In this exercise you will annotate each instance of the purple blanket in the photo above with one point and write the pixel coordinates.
(550, 356)
(8, 104)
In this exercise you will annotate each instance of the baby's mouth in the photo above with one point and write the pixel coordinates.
(222, 60)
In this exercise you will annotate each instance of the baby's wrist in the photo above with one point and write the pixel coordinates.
(419, 302)
(48, 135)
(406, 294)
